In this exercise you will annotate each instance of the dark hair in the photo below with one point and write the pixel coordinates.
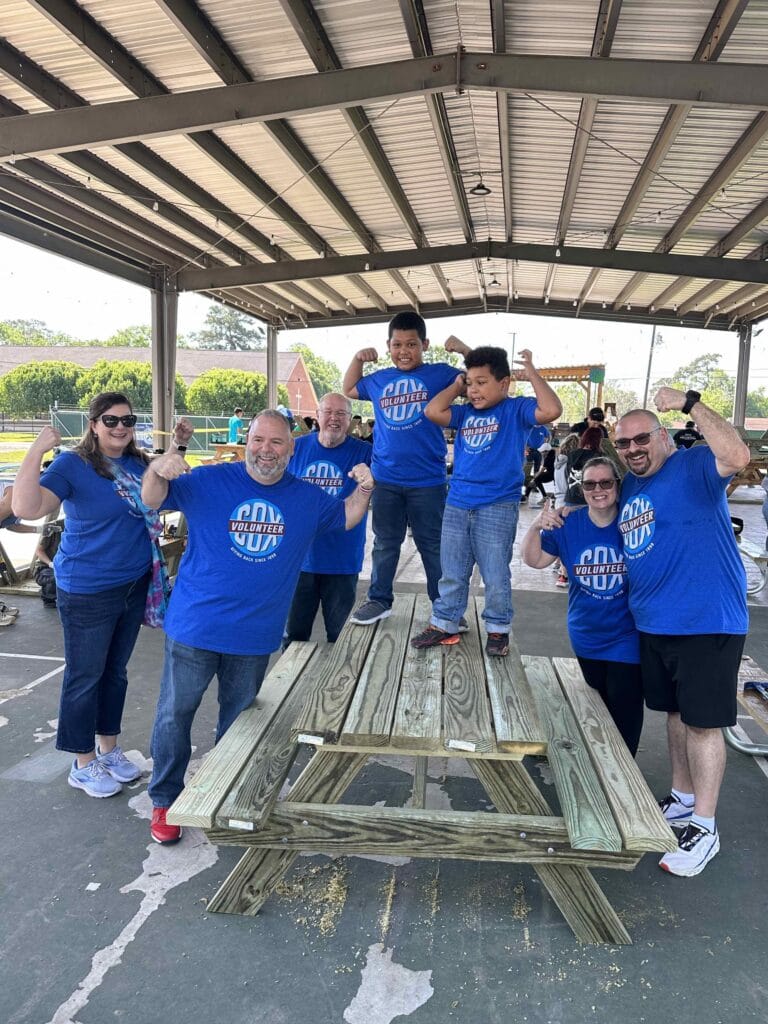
(238, 408)
(408, 321)
(596, 414)
(601, 460)
(488, 355)
(592, 438)
(689, 424)
(88, 446)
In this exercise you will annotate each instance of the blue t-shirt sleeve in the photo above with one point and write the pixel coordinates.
(550, 542)
(458, 412)
(363, 390)
(58, 478)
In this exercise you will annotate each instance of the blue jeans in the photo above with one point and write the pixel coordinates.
(187, 672)
(486, 536)
(394, 509)
(335, 593)
(100, 633)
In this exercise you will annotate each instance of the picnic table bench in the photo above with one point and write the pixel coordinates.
(753, 703)
(373, 694)
(226, 453)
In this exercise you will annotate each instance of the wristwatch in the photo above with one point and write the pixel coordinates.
(179, 447)
(691, 398)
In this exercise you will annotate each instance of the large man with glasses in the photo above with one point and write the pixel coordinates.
(687, 593)
(250, 526)
(328, 578)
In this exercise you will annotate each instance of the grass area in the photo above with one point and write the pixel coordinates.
(12, 457)
(14, 436)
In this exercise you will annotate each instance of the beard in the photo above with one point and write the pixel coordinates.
(265, 474)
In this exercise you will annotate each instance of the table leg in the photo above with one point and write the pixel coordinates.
(258, 872)
(582, 902)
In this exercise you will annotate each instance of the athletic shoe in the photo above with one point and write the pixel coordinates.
(695, 849)
(675, 813)
(118, 765)
(369, 613)
(432, 636)
(562, 581)
(94, 779)
(161, 831)
(497, 645)
(463, 625)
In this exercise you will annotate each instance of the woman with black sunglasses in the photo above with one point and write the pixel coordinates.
(103, 570)
(600, 627)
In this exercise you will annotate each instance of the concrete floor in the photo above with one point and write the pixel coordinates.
(101, 924)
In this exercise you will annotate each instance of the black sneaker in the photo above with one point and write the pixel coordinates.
(695, 849)
(463, 625)
(369, 613)
(432, 636)
(497, 645)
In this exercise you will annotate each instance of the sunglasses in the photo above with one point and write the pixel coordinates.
(112, 421)
(604, 485)
(641, 440)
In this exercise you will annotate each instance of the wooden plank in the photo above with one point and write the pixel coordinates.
(256, 789)
(586, 812)
(418, 714)
(466, 708)
(419, 793)
(370, 715)
(321, 718)
(202, 797)
(634, 807)
(258, 872)
(579, 898)
(515, 715)
(753, 702)
(402, 831)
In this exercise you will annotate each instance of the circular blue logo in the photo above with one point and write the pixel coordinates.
(256, 529)
(325, 474)
(601, 570)
(637, 524)
(402, 401)
(479, 432)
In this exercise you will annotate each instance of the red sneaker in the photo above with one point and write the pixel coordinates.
(161, 831)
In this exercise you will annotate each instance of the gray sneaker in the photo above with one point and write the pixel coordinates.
(94, 779)
(369, 613)
(118, 765)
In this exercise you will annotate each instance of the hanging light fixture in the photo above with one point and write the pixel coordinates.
(480, 189)
(494, 283)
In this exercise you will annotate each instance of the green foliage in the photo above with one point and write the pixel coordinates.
(325, 375)
(230, 329)
(31, 333)
(36, 386)
(136, 336)
(757, 403)
(624, 398)
(437, 354)
(218, 392)
(132, 379)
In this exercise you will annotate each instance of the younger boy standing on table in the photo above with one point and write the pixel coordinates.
(480, 520)
(408, 457)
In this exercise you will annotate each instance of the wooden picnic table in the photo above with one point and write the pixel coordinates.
(373, 694)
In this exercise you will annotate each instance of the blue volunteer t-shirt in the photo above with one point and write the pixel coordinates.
(685, 573)
(106, 542)
(341, 551)
(247, 543)
(488, 452)
(600, 624)
(408, 449)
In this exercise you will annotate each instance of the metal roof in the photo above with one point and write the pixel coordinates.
(323, 171)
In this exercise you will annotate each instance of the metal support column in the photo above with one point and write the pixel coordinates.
(271, 366)
(165, 303)
(742, 375)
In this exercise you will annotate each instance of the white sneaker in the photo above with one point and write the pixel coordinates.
(676, 813)
(695, 849)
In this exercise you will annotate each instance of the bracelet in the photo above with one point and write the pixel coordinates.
(366, 490)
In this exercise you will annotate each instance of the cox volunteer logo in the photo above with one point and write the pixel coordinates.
(402, 401)
(326, 475)
(601, 570)
(637, 524)
(256, 529)
(479, 432)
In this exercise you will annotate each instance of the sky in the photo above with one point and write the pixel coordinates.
(86, 303)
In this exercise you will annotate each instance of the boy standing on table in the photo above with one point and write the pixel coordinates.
(408, 456)
(481, 513)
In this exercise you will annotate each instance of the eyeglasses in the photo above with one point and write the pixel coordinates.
(604, 485)
(641, 440)
(112, 421)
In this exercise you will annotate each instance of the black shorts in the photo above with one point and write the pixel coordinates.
(695, 675)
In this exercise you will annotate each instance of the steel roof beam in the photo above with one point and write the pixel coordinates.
(499, 35)
(615, 259)
(731, 86)
(711, 45)
(753, 306)
(699, 300)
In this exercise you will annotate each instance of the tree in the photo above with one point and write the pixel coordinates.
(703, 374)
(132, 379)
(757, 403)
(218, 392)
(325, 375)
(227, 328)
(31, 332)
(32, 389)
(437, 354)
(137, 336)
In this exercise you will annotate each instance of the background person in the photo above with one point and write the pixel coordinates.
(103, 571)
(687, 594)
(600, 626)
(328, 577)
(595, 419)
(235, 426)
(687, 437)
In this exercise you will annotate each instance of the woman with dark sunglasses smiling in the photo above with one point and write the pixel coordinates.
(600, 627)
(103, 570)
